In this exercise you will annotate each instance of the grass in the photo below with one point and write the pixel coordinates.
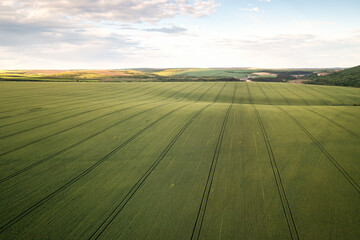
(179, 161)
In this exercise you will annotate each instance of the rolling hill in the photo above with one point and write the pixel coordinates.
(349, 77)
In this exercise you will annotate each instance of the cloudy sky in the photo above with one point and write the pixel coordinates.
(98, 34)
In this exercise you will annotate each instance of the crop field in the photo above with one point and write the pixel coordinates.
(179, 160)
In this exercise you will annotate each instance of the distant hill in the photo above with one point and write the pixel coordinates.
(162, 74)
(349, 77)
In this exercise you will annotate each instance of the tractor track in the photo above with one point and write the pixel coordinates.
(206, 194)
(72, 101)
(280, 187)
(287, 102)
(82, 95)
(70, 128)
(81, 175)
(88, 170)
(65, 118)
(266, 96)
(331, 96)
(100, 98)
(335, 123)
(46, 94)
(353, 183)
(326, 103)
(64, 110)
(78, 143)
(66, 101)
(300, 97)
(103, 226)
(110, 218)
(330, 106)
(349, 114)
(324, 117)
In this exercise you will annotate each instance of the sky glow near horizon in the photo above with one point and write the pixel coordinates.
(90, 34)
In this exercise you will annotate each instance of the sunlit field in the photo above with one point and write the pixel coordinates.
(181, 160)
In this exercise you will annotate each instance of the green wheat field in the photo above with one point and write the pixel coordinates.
(179, 160)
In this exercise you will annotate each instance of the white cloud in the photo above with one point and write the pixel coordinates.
(169, 30)
(150, 33)
(294, 50)
(254, 9)
(116, 10)
(86, 33)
